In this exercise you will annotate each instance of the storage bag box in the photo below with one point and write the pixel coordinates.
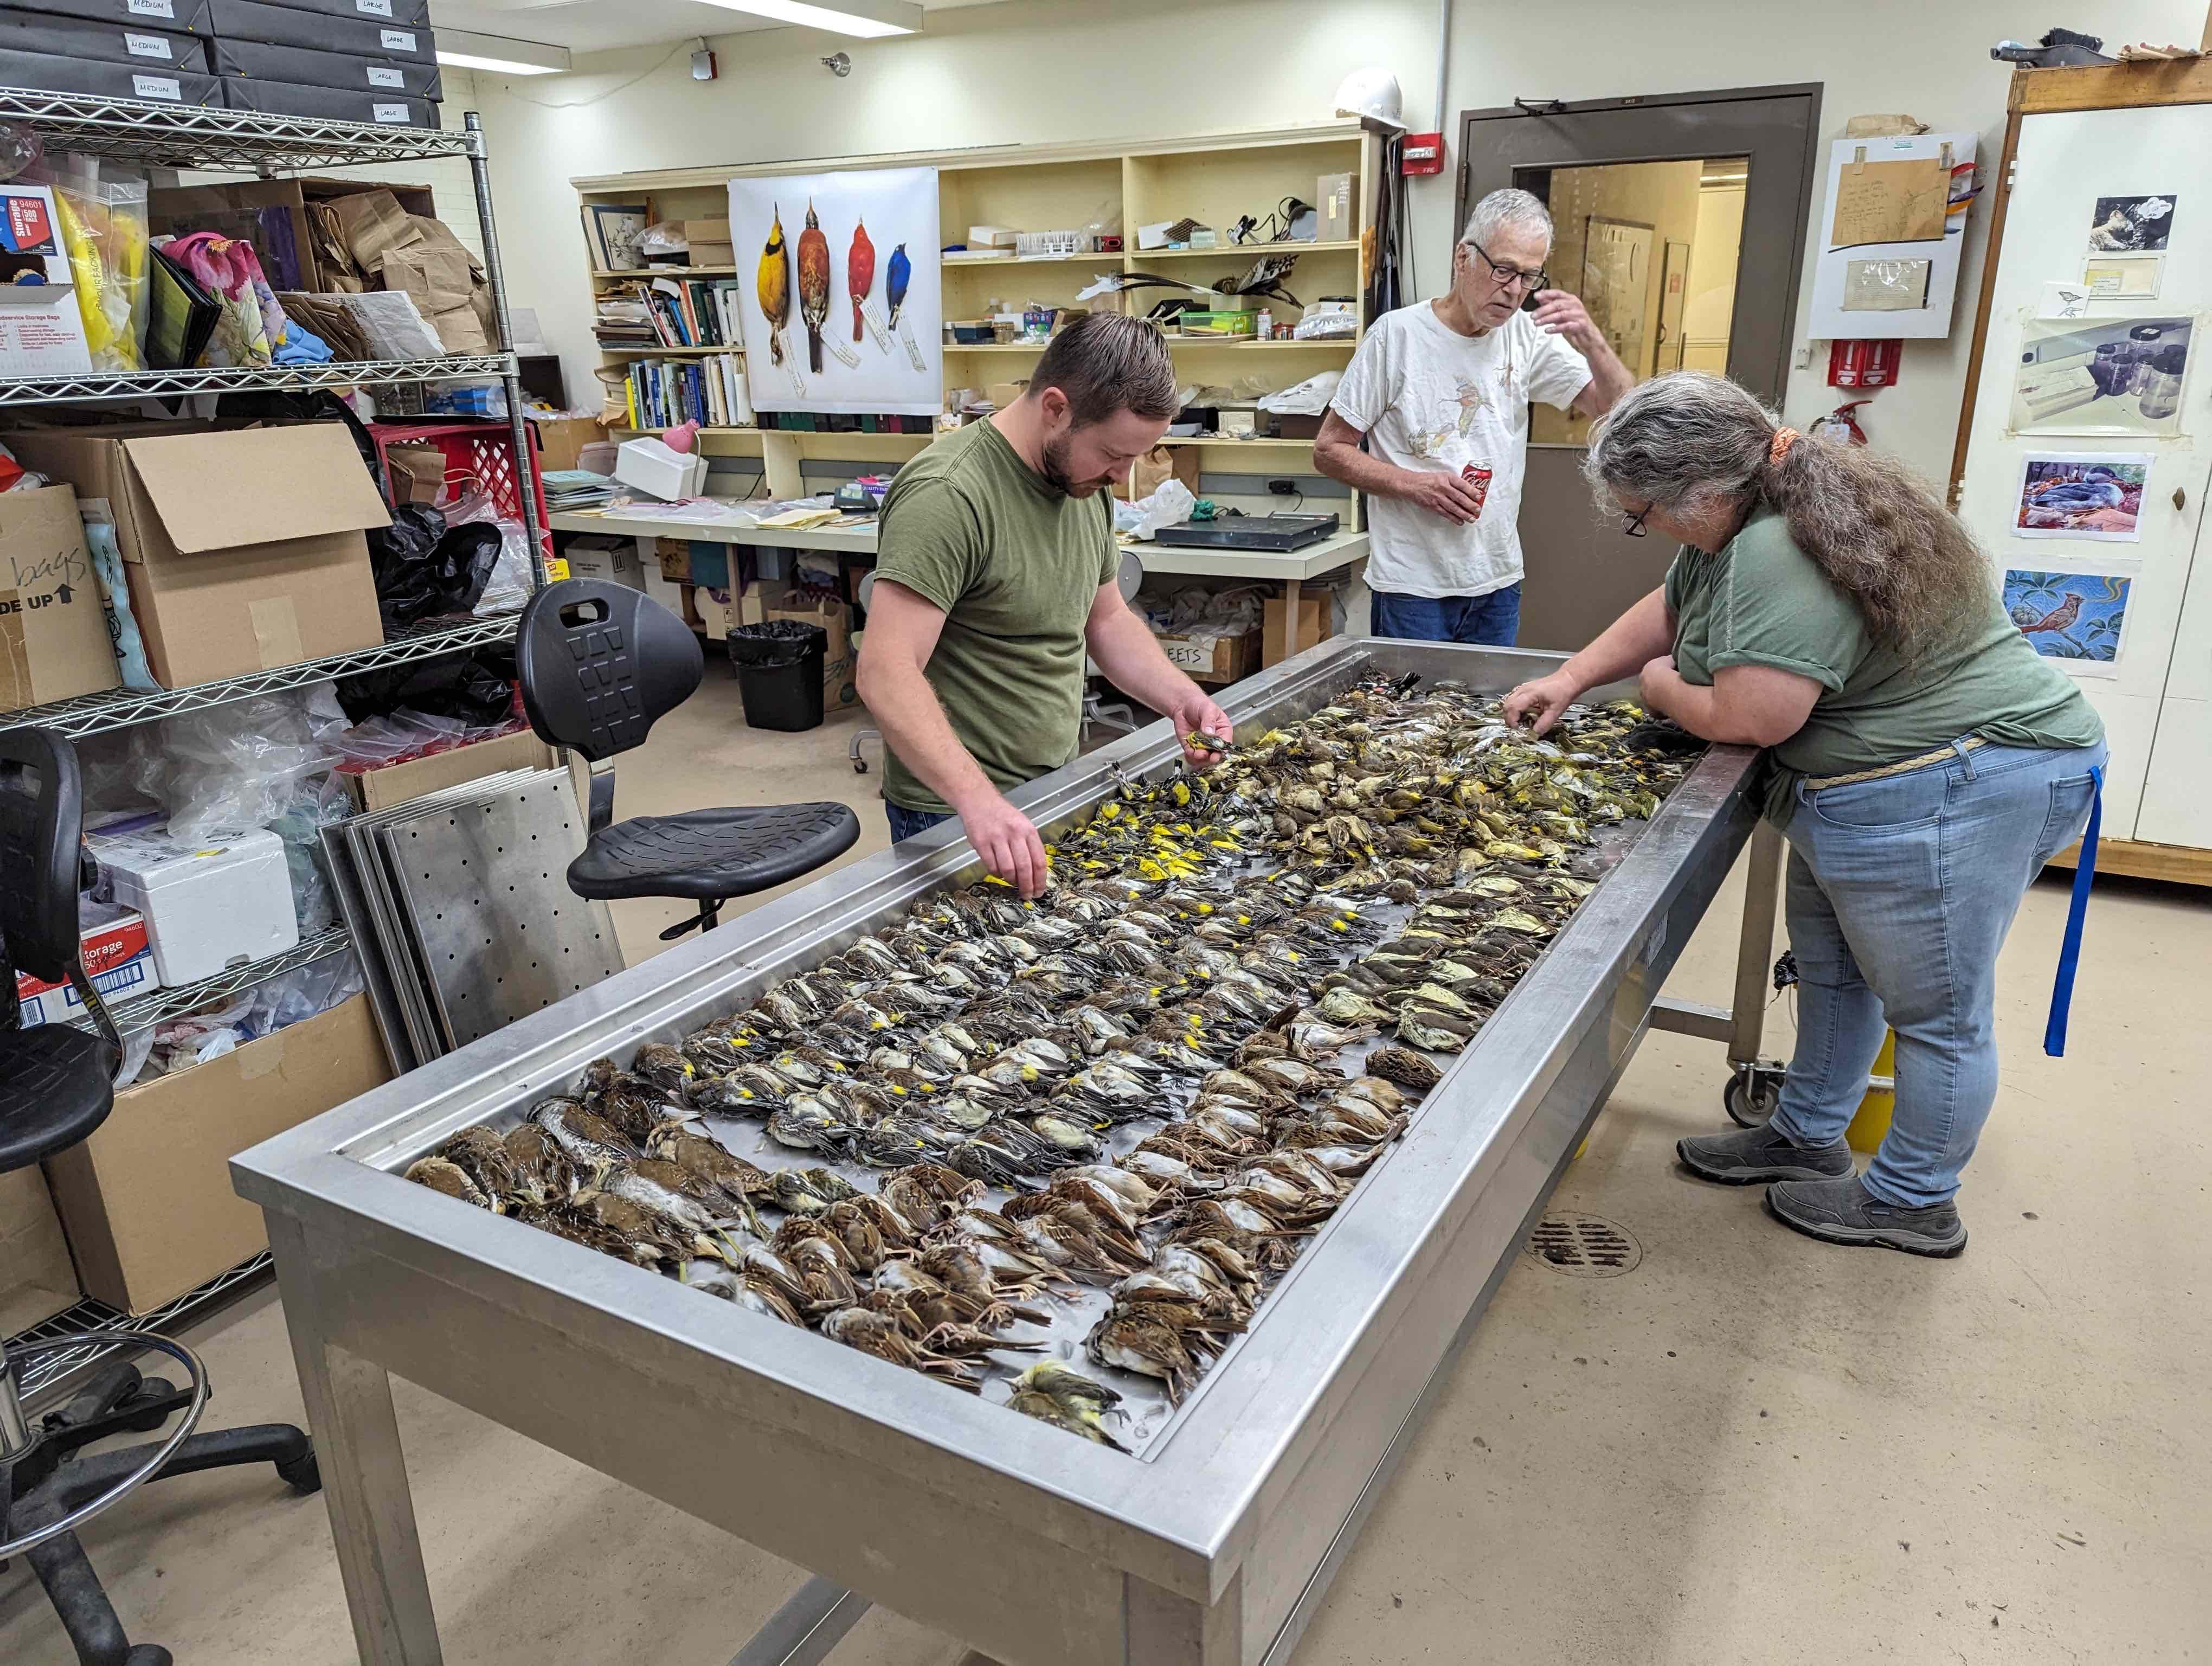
(302, 66)
(283, 98)
(243, 546)
(118, 958)
(184, 16)
(54, 643)
(326, 31)
(207, 906)
(153, 83)
(615, 560)
(111, 40)
(146, 1201)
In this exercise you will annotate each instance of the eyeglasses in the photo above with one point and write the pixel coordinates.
(1506, 274)
(1632, 526)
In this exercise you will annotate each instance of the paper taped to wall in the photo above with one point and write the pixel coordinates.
(1900, 202)
(1886, 286)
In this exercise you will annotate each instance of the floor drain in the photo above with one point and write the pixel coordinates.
(1583, 1246)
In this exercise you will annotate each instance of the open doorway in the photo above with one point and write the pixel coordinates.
(1680, 220)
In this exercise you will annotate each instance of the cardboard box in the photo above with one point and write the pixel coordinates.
(187, 16)
(1210, 659)
(118, 959)
(297, 25)
(1336, 207)
(36, 1279)
(1313, 623)
(207, 906)
(395, 783)
(42, 328)
(561, 441)
(146, 1201)
(710, 244)
(271, 571)
(840, 685)
(313, 256)
(111, 41)
(615, 560)
(674, 555)
(53, 627)
(303, 66)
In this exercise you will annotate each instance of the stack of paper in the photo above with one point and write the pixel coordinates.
(576, 489)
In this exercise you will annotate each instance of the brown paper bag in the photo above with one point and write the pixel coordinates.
(1155, 468)
(371, 223)
(443, 290)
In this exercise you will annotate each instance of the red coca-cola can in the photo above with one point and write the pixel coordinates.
(1477, 481)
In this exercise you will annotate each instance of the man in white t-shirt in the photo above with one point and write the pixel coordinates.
(1439, 392)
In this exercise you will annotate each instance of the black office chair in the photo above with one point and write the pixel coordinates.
(56, 1087)
(600, 665)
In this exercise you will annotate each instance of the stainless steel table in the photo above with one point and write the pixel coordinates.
(1214, 1547)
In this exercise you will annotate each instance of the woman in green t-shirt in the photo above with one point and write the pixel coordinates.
(1923, 761)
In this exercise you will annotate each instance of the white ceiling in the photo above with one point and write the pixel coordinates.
(596, 26)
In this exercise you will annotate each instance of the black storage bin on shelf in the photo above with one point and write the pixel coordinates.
(778, 666)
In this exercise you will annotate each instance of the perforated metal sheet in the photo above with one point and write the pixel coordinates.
(483, 887)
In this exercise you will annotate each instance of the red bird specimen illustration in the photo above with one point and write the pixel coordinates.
(813, 285)
(860, 272)
(2058, 618)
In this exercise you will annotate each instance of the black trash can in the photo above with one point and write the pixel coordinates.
(778, 666)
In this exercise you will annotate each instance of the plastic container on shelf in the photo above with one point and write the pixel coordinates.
(207, 907)
(778, 666)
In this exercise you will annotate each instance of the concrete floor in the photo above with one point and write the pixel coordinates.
(1752, 1448)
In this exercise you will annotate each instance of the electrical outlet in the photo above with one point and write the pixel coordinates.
(1284, 488)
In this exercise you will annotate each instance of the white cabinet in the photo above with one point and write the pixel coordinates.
(2155, 692)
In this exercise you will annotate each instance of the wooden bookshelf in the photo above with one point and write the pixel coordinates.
(1213, 178)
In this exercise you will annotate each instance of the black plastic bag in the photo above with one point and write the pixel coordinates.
(778, 642)
(477, 687)
(425, 569)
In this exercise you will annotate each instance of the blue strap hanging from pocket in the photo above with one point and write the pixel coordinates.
(2069, 951)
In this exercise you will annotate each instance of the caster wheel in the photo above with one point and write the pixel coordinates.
(860, 766)
(302, 1475)
(1751, 1098)
(152, 1389)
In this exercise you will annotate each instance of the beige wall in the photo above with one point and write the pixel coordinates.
(1711, 301)
(1037, 71)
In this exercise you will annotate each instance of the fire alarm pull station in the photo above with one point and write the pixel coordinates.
(1420, 153)
(1863, 363)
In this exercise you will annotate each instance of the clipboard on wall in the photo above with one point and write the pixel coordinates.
(1890, 201)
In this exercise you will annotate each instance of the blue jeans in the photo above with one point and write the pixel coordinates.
(908, 824)
(1900, 894)
(1489, 621)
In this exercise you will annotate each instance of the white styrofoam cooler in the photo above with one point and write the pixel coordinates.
(207, 907)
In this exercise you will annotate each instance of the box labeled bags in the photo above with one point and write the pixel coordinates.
(270, 570)
(53, 629)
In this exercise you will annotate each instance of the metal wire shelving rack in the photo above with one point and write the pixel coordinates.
(248, 142)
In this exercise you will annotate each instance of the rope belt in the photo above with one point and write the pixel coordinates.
(1903, 767)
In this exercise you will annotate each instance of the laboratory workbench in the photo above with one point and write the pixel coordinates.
(1292, 570)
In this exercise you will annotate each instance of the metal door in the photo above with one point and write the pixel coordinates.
(1581, 572)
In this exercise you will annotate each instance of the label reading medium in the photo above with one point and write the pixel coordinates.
(152, 8)
(147, 46)
(158, 87)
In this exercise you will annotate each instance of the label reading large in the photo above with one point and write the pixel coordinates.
(394, 113)
(383, 75)
(152, 8)
(396, 40)
(148, 46)
(373, 8)
(159, 87)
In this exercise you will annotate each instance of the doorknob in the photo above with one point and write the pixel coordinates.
(2181, 498)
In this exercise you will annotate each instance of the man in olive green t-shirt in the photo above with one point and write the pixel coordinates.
(995, 576)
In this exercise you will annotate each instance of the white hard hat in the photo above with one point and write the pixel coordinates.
(1372, 92)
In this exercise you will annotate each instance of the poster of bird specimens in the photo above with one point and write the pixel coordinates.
(838, 290)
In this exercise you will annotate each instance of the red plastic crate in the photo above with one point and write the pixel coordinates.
(484, 450)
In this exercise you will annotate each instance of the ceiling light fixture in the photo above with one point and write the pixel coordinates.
(499, 53)
(869, 19)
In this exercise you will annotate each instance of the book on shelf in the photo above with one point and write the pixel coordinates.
(709, 390)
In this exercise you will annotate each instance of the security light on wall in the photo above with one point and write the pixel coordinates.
(501, 54)
(865, 18)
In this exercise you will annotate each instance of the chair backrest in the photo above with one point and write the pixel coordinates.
(600, 664)
(864, 588)
(41, 825)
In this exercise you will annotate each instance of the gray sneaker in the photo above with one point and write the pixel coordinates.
(1843, 1211)
(1755, 1156)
